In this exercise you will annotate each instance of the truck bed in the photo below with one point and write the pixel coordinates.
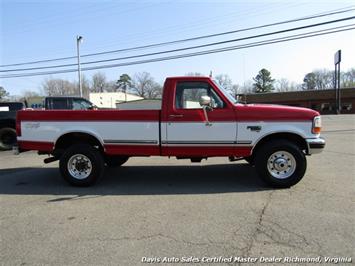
(131, 132)
(89, 115)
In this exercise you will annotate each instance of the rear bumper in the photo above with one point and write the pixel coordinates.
(315, 145)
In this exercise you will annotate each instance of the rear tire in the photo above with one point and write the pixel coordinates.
(7, 138)
(81, 165)
(115, 160)
(280, 164)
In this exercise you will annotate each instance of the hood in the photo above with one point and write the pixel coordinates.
(264, 112)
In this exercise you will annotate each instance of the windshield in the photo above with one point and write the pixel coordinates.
(226, 93)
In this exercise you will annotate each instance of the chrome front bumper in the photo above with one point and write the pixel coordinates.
(315, 145)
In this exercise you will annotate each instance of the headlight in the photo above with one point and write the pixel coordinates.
(317, 125)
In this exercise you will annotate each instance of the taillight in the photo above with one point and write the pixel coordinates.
(317, 125)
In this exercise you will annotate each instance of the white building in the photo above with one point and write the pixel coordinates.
(110, 99)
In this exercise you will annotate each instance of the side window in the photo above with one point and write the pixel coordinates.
(188, 95)
(80, 104)
(59, 103)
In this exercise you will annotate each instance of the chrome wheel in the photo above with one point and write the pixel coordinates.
(281, 164)
(79, 166)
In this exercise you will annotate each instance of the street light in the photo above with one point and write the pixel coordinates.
(79, 40)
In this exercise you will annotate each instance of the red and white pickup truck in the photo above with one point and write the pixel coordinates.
(198, 119)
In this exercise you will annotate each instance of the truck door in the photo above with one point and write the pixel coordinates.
(188, 132)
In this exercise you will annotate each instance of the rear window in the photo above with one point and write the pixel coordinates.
(10, 106)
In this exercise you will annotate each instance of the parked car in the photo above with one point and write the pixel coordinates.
(8, 123)
(198, 119)
(67, 103)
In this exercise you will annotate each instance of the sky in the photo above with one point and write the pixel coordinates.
(40, 30)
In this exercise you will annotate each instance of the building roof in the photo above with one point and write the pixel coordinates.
(144, 104)
(114, 92)
(291, 96)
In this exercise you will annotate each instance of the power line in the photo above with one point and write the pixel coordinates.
(185, 48)
(72, 18)
(184, 40)
(216, 35)
(187, 26)
(219, 50)
(122, 41)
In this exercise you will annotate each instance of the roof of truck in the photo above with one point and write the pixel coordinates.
(189, 77)
(63, 96)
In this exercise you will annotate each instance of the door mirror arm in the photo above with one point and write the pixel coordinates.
(205, 102)
(207, 108)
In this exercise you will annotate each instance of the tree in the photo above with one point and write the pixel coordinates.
(348, 79)
(3, 93)
(30, 94)
(224, 80)
(59, 87)
(111, 86)
(99, 82)
(320, 79)
(263, 81)
(124, 83)
(283, 85)
(144, 85)
(247, 87)
(235, 89)
(309, 81)
(324, 79)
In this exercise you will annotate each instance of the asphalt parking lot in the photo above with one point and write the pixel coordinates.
(159, 207)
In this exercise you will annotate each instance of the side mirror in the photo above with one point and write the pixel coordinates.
(93, 107)
(205, 100)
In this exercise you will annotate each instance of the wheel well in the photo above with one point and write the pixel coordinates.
(294, 138)
(69, 139)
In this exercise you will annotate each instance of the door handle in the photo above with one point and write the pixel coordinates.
(254, 128)
(175, 116)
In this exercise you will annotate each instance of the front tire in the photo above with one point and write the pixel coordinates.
(280, 164)
(81, 165)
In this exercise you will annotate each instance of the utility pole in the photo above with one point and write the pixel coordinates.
(79, 39)
(125, 93)
(337, 60)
